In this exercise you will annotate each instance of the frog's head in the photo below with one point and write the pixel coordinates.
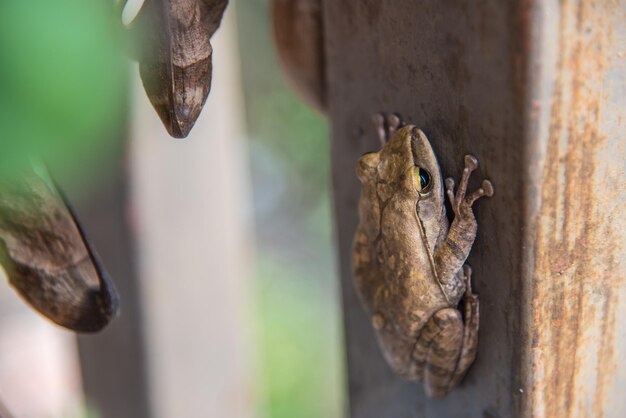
(407, 168)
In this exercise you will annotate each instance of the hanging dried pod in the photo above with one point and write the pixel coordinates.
(175, 57)
(299, 39)
(47, 257)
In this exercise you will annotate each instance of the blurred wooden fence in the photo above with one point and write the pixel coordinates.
(171, 226)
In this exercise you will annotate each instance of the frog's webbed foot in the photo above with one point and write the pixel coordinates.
(470, 329)
(386, 126)
(462, 203)
(467, 274)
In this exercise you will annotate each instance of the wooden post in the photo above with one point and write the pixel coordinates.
(537, 91)
(113, 362)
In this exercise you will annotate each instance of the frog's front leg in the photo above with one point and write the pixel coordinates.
(452, 253)
(446, 347)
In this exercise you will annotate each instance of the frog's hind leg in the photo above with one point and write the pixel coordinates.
(447, 345)
(438, 349)
(470, 329)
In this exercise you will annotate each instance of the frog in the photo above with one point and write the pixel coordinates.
(409, 261)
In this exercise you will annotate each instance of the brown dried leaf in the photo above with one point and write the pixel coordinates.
(175, 61)
(48, 259)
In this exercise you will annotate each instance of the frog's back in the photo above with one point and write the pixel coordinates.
(411, 296)
(407, 299)
(412, 292)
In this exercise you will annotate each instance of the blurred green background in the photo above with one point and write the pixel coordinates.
(64, 95)
(62, 77)
(299, 308)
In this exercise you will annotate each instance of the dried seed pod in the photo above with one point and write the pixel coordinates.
(47, 257)
(175, 57)
(298, 35)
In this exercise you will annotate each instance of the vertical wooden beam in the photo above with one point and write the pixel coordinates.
(536, 90)
(575, 234)
(113, 362)
(190, 198)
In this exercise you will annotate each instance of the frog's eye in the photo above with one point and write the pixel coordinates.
(421, 179)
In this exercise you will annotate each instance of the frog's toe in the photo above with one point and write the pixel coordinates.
(485, 190)
(393, 122)
(467, 273)
(379, 124)
(471, 162)
(379, 120)
(488, 187)
(449, 182)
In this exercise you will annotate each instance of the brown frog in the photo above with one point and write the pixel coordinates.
(409, 262)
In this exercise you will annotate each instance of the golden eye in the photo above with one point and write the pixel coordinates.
(422, 179)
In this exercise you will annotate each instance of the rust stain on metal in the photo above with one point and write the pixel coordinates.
(574, 298)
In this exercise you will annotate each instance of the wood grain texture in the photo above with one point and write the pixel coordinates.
(536, 89)
(175, 59)
(576, 236)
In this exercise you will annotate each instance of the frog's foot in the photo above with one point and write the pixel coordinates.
(461, 203)
(467, 274)
(470, 329)
(386, 126)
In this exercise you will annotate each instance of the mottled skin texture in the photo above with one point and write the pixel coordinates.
(408, 260)
(47, 258)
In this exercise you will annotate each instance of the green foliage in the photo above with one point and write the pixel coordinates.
(62, 75)
(300, 366)
(278, 119)
(297, 135)
(85, 412)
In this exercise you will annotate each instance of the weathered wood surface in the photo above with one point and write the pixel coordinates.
(537, 91)
(575, 235)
